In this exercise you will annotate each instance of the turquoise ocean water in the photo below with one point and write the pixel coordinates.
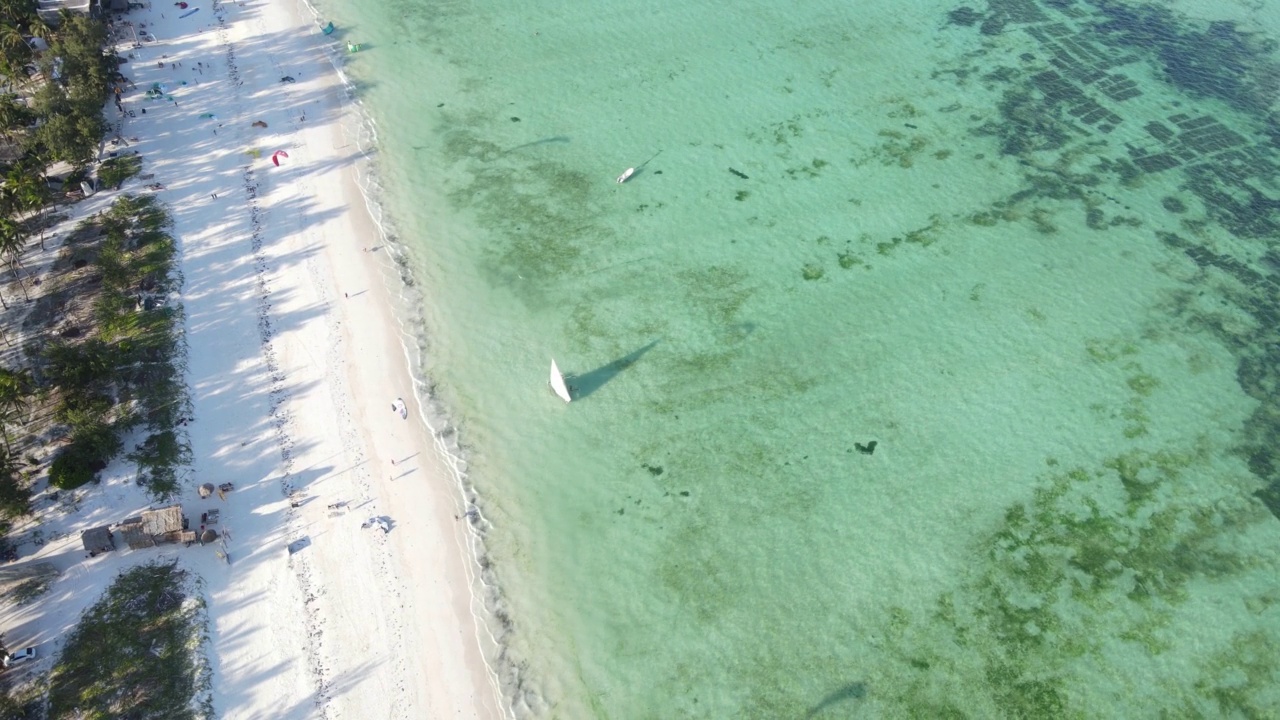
(1026, 247)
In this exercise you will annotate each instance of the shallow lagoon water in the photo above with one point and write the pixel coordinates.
(1028, 249)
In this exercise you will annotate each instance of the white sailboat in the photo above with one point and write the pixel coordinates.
(557, 383)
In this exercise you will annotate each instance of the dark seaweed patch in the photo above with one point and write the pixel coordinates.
(964, 16)
(1071, 89)
(1216, 61)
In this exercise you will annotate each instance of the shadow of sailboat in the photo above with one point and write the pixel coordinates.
(852, 691)
(583, 385)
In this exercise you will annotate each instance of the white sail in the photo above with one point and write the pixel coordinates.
(557, 383)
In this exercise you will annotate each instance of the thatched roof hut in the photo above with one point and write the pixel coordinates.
(163, 520)
(98, 540)
(133, 535)
(153, 526)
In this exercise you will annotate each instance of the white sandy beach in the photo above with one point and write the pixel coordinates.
(295, 360)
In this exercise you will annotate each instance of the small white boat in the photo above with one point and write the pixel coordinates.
(626, 175)
(558, 385)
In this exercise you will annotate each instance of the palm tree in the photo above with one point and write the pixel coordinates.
(15, 119)
(11, 246)
(34, 195)
(18, 12)
(10, 418)
(15, 496)
(15, 53)
(16, 387)
(8, 199)
(29, 192)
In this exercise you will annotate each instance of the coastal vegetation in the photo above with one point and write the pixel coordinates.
(101, 338)
(91, 358)
(117, 360)
(136, 652)
(69, 111)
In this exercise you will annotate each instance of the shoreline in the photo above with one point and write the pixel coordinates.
(429, 630)
(437, 432)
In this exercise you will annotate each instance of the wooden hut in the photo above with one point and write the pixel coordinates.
(163, 525)
(98, 540)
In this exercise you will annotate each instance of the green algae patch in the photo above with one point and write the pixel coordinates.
(719, 292)
(1142, 383)
(812, 271)
(1241, 680)
(1099, 568)
(895, 150)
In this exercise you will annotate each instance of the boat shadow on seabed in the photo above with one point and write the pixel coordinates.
(588, 382)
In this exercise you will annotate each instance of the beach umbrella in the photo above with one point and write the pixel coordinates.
(208, 535)
(275, 157)
(206, 490)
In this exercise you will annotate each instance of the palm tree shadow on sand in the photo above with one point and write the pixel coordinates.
(588, 382)
(852, 691)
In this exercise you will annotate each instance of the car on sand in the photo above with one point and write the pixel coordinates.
(21, 656)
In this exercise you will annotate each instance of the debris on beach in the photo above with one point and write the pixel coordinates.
(378, 522)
